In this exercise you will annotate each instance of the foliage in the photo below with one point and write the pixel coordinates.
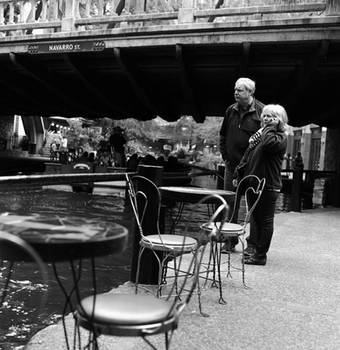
(184, 129)
(142, 135)
(211, 160)
(209, 130)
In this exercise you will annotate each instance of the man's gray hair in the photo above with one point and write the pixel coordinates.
(247, 83)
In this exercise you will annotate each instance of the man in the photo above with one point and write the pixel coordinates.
(242, 120)
(117, 142)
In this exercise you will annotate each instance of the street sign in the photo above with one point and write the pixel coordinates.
(66, 46)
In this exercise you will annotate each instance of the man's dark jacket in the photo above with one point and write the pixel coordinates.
(235, 131)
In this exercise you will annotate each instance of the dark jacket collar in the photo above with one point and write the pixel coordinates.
(252, 107)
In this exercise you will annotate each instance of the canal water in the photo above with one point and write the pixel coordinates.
(19, 318)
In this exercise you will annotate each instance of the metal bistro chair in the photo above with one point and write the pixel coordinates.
(143, 314)
(251, 187)
(165, 247)
(14, 249)
(218, 210)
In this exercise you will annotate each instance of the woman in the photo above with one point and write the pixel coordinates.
(264, 158)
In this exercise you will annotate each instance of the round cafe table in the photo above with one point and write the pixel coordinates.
(61, 238)
(58, 238)
(189, 194)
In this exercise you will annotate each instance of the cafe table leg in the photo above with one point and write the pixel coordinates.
(175, 218)
(74, 291)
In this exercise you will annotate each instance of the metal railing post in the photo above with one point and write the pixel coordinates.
(186, 12)
(296, 193)
(333, 7)
(68, 20)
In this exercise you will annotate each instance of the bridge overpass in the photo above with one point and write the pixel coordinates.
(132, 58)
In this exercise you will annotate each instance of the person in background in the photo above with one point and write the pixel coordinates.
(117, 143)
(132, 163)
(53, 151)
(92, 157)
(64, 144)
(287, 162)
(84, 157)
(80, 152)
(264, 158)
(242, 120)
(298, 162)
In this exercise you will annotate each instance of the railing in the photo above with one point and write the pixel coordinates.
(48, 16)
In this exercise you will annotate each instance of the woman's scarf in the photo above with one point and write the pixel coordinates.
(255, 139)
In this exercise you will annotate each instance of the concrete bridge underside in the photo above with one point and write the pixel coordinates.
(173, 70)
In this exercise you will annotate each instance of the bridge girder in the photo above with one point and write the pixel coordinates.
(186, 70)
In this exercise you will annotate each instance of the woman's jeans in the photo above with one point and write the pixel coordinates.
(262, 223)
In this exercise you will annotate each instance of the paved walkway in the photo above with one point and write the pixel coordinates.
(293, 302)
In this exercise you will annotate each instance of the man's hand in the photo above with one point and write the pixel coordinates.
(235, 182)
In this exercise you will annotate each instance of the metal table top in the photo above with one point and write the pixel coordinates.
(60, 238)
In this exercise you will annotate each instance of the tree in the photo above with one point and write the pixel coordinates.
(208, 132)
(185, 129)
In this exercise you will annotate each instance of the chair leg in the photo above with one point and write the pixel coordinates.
(168, 338)
(199, 293)
(167, 341)
(147, 341)
(163, 272)
(243, 267)
(141, 250)
(229, 257)
(208, 267)
(160, 273)
(214, 254)
(92, 342)
(221, 300)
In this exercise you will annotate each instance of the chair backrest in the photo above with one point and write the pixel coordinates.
(217, 218)
(251, 187)
(145, 199)
(12, 249)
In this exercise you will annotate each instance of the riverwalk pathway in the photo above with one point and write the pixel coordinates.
(293, 302)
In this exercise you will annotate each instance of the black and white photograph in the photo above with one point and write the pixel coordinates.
(169, 174)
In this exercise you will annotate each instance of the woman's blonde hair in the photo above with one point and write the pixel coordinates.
(276, 111)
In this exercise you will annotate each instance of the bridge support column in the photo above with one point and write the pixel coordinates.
(333, 7)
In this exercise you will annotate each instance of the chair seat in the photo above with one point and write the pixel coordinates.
(228, 229)
(169, 242)
(125, 309)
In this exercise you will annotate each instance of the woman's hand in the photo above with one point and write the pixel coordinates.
(235, 182)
